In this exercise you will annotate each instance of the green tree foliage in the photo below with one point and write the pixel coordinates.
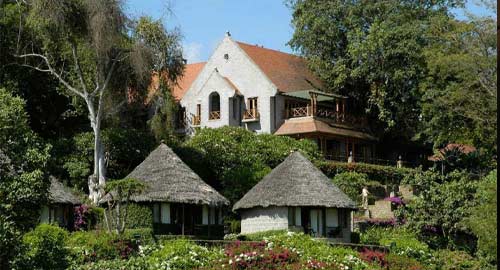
(351, 183)
(118, 194)
(126, 148)
(162, 124)
(459, 101)
(369, 50)
(442, 205)
(239, 158)
(483, 217)
(24, 184)
(44, 248)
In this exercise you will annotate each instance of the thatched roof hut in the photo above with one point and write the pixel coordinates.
(169, 179)
(61, 194)
(295, 182)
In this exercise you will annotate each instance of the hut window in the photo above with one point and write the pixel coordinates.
(291, 216)
(213, 215)
(44, 215)
(165, 213)
(205, 214)
(156, 213)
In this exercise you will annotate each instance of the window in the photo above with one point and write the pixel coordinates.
(197, 116)
(291, 216)
(214, 106)
(252, 111)
(161, 213)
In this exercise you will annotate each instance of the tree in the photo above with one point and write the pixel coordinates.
(99, 56)
(23, 184)
(119, 193)
(483, 217)
(459, 94)
(370, 51)
(441, 206)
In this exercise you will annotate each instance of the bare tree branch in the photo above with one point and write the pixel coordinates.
(52, 71)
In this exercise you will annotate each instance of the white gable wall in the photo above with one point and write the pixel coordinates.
(244, 74)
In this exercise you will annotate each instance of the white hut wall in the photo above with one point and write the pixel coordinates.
(264, 219)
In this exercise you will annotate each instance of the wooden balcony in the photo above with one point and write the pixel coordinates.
(326, 113)
(196, 120)
(214, 115)
(250, 115)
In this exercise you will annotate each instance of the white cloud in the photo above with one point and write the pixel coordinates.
(192, 52)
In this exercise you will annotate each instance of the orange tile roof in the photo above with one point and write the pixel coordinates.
(287, 71)
(463, 148)
(310, 125)
(191, 71)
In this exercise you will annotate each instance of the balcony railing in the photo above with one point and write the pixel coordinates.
(196, 120)
(250, 115)
(337, 117)
(214, 115)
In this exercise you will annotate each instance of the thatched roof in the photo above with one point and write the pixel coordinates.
(169, 179)
(59, 193)
(295, 182)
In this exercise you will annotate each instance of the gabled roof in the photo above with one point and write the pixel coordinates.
(59, 193)
(169, 179)
(295, 182)
(287, 71)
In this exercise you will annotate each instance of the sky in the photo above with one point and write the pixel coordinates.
(203, 23)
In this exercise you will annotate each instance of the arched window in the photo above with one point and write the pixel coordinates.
(214, 106)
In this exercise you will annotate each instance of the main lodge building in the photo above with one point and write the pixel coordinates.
(268, 91)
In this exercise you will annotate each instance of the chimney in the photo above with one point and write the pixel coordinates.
(228, 34)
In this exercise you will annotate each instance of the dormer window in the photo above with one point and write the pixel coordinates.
(214, 106)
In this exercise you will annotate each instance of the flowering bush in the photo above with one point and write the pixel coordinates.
(258, 255)
(395, 200)
(182, 254)
(374, 256)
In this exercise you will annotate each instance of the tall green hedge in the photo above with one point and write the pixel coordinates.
(380, 173)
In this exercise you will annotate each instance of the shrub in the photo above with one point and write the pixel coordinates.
(398, 262)
(259, 236)
(379, 173)
(483, 217)
(139, 216)
(182, 254)
(145, 236)
(351, 183)
(257, 256)
(45, 248)
(374, 257)
(456, 260)
(87, 217)
(401, 242)
(134, 263)
(92, 246)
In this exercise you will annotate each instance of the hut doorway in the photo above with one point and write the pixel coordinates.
(313, 221)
